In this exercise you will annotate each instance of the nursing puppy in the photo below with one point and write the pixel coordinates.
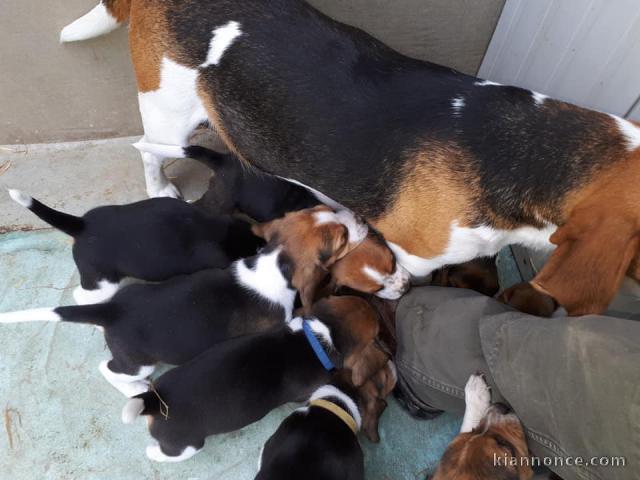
(367, 264)
(174, 321)
(319, 441)
(491, 444)
(151, 240)
(239, 187)
(238, 382)
(448, 167)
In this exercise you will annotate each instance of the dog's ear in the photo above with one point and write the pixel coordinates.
(335, 245)
(372, 407)
(595, 249)
(308, 280)
(365, 363)
(262, 230)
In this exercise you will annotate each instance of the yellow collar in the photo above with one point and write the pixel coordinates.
(341, 413)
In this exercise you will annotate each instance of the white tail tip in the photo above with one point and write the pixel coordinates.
(159, 150)
(132, 410)
(21, 198)
(33, 315)
(94, 24)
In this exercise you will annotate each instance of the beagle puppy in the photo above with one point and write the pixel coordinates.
(239, 187)
(236, 383)
(491, 444)
(319, 441)
(365, 263)
(448, 167)
(152, 240)
(175, 321)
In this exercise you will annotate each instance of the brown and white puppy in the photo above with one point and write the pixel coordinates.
(491, 444)
(357, 256)
(446, 166)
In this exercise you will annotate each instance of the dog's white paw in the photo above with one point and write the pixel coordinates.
(477, 394)
(169, 190)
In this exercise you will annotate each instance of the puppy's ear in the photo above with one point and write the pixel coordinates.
(372, 407)
(365, 363)
(595, 249)
(335, 246)
(308, 281)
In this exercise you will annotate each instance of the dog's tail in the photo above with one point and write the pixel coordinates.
(147, 403)
(104, 18)
(206, 156)
(97, 314)
(64, 222)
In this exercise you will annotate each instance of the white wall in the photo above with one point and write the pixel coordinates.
(582, 51)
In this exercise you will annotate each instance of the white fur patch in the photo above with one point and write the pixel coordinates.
(267, 281)
(155, 453)
(21, 198)
(159, 150)
(457, 104)
(93, 24)
(105, 291)
(169, 115)
(539, 98)
(394, 285)
(477, 397)
(324, 218)
(223, 38)
(468, 243)
(487, 83)
(317, 327)
(358, 230)
(629, 131)
(128, 385)
(331, 391)
(322, 198)
(33, 315)
(132, 410)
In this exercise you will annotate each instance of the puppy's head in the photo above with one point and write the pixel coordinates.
(354, 327)
(371, 267)
(314, 239)
(495, 450)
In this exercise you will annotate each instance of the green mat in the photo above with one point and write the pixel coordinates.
(62, 419)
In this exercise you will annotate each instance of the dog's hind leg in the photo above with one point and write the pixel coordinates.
(170, 114)
(130, 381)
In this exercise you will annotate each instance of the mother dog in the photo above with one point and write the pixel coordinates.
(446, 166)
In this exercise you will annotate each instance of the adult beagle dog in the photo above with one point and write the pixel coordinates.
(446, 166)
(491, 444)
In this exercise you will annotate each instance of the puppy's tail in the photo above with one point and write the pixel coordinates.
(98, 314)
(64, 222)
(104, 18)
(206, 156)
(147, 403)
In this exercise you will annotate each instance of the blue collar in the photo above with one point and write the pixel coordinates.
(317, 347)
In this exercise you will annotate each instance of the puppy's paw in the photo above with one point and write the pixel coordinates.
(169, 190)
(477, 394)
(524, 298)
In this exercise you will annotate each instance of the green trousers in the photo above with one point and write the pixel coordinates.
(574, 382)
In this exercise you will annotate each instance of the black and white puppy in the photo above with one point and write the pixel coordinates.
(317, 442)
(241, 187)
(151, 240)
(174, 321)
(236, 383)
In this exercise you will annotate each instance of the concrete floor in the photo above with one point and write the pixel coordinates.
(61, 419)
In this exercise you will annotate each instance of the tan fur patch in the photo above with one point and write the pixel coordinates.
(433, 196)
(119, 9)
(149, 42)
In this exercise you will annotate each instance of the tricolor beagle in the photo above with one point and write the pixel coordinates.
(239, 381)
(491, 444)
(446, 166)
